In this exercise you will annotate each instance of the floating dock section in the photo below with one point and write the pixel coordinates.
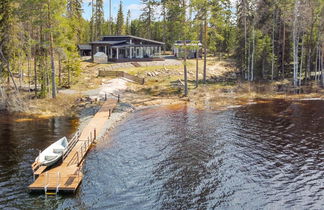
(67, 176)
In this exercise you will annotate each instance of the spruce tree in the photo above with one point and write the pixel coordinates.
(148, 16)
(99, 18)
(127, 30)
(120, 20)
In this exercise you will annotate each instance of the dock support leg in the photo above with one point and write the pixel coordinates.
(118, 98)
(94, 134)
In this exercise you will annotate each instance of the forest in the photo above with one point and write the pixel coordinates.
(270, 40)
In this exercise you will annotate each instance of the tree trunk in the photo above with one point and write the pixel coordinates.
(273, 48)
(316, 62)
(69, 77)
(60, 70)
(28, 69)
(307, 71)
(253, 51)
(301, 64)
(185, 69)
(283, 51)
(295, 44)
(6, 61)
(164, 27)
(322, 64)
(249, 61)
(51, 51)
(205, 49)
(35, 73)
(246, 61)
(197, 56)
(20, 72)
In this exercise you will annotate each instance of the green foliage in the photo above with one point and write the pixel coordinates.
(120, 29)
(148, 16)
(127, 26)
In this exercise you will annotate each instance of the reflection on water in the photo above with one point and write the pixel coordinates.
(267, 155)
(20, 141)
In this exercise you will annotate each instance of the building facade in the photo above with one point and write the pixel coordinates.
(127, 48)
(193, 49)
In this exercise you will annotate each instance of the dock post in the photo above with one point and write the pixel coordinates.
(118, 98)
(94, 134)
(109, 113)
(105, 96)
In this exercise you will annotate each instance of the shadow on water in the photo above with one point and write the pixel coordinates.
(20, 141)
(266, 155)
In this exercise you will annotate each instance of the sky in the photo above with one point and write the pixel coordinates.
(135, 6)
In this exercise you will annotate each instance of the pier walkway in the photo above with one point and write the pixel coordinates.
(68, 175)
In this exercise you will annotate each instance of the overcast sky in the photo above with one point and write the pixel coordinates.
(135, 6)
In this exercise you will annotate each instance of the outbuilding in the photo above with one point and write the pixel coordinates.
(193, 49)
(84, 49)
(100, 57)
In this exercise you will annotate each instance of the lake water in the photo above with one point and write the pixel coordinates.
(265, 155)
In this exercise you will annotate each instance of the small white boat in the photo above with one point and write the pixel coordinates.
(53, 153)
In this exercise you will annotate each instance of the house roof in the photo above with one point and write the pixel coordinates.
(136, 37)
(188, 42)
(84, 47)
(128, 45)
(108, 42)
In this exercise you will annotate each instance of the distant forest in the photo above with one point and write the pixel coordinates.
(269, 39)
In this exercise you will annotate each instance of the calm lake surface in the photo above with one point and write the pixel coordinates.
(265, 155)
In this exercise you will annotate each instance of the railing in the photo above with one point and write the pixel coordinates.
(79, 155)
(46, 181)
(72, 143)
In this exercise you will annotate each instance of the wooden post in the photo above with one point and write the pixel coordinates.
(94, 134)
(118, 99)
(105, 96)
(109, 113)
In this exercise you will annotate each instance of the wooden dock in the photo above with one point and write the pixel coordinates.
(67, 176)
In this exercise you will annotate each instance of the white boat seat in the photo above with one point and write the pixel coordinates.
(58, 150)
(50, 157)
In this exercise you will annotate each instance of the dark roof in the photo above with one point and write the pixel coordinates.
(84, 47)
(108, 42)
(187, 41)
(135, 37)
(127, 45)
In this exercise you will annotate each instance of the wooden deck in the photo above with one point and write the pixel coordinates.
(67, 176)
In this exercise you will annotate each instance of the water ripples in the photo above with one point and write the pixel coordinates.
(257, 156)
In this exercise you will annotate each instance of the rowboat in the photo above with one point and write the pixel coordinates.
(53, 153)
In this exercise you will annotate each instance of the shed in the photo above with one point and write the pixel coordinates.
(84, 49)
(100, 57)
(193, 49)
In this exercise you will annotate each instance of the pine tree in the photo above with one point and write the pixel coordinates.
(148, 16)
(127, 30)
(99, 18)
(74, 13)
(120, 20)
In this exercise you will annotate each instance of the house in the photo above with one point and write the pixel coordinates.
(127, 48)
(193, 49)
(84, 49)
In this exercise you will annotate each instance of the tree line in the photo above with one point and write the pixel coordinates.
(270, 39)
(38, 40)
(281, 39)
